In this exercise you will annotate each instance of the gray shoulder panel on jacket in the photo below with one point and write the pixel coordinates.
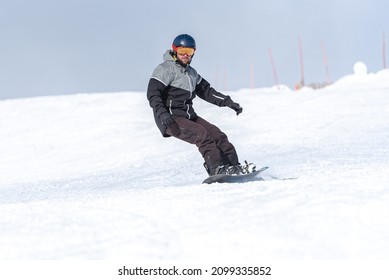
(164, 73)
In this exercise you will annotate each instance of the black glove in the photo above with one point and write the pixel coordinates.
(236, 107)
(169, 122)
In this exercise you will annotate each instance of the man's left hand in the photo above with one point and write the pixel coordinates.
(236, 107)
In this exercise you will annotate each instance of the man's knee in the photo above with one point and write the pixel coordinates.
(202, 134)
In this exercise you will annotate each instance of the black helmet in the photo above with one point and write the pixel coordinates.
(184, 40)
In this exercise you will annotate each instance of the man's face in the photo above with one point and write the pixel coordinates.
(184, 58)
(184, 55)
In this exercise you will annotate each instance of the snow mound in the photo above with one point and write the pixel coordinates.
(89, 176)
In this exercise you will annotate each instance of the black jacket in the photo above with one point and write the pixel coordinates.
(172, 87)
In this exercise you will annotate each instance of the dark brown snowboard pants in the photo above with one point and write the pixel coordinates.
(212, 143)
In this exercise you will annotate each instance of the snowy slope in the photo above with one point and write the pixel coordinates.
(88, 176)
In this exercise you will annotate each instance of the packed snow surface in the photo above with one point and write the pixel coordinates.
(89, 176)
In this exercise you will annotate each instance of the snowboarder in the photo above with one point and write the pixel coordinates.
(171, 89)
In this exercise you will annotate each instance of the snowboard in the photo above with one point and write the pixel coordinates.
(224, 178)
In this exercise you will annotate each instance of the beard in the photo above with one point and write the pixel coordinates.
(182, 63)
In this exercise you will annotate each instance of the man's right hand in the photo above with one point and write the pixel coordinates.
(169, 122)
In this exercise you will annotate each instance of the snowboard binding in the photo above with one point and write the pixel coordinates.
(248, 167)
(239, 169)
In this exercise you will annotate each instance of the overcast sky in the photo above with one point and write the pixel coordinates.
(51, 47)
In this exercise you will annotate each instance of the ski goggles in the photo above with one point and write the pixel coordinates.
(184, 50)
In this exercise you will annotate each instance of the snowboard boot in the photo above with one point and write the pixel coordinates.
(207, 169)
(241, 169)
(235, 170)
(221, 169)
